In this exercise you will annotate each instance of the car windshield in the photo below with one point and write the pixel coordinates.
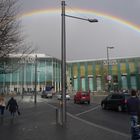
(84, 93)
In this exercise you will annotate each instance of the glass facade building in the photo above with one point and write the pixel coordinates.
(48, 74)
(81, 75)
(124, 74)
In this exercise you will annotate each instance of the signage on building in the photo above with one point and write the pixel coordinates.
(109, 77)
(111, 62)
(27, 60)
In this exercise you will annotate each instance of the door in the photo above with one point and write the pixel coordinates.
(98, 83)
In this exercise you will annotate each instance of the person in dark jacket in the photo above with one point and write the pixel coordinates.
(12, 106)
(133, 104)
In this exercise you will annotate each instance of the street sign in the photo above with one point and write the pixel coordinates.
(109, 77)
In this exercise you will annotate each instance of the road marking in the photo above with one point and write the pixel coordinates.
(54, 107)
(99, 126)
(95, 125)
(88, 110)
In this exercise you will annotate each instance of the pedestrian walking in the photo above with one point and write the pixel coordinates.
(12, 106)
(133, 104)
(2, 105)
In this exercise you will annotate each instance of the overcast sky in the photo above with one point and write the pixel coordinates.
(84, 40)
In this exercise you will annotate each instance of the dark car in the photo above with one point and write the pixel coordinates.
(116, 101)
(82, 97)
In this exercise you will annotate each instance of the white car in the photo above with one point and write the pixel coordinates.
(59, 97)
(46, 94)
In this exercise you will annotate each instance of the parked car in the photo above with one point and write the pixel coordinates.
(116, 101)
(82, 97)
(59, 96)
(46, 94)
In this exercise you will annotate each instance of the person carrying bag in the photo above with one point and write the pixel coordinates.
(2, 105)
(12, 106)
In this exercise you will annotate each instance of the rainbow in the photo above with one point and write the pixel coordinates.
(91, 12)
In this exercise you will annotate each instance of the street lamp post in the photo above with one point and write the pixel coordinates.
(35, 91)
(22, 87)
(63, 58)
(63, 64)
(108, 68)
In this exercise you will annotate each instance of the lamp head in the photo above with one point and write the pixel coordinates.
(110, 47)
(92, 20)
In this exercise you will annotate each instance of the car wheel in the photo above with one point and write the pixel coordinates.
(103, 106)
(120, 108)
(88, 102)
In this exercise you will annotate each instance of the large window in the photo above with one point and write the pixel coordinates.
(133, 82)
(49, 71)
(89, 69)
(41, 73)
(114, 69)
(83, 84)
(124, 82)
(82, 70)
(98, 69)
(139, 67)
(90, 83)
(98, 83)
(75, 70)
(132, 67)
(75, 84)
(123, 68)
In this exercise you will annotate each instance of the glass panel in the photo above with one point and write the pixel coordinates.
(75, 84)
(82, 70)
(28, 73)
(75, 70)
(114, 69)
(124, 82)
(83, 84)
(89, 69)
(14, 78)
(133, 82)
(115, 78)
(132, 67)
(41, 73)
(139, 68)
(123, 67)
(90, 81)
(49, 71)
(105, 69)
(98, 83)
(98, 70)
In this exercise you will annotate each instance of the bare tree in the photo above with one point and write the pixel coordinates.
(11, 39)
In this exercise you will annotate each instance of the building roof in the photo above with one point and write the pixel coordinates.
(102, 59)
(39, 55)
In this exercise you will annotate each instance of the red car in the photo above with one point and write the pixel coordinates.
(82, 97)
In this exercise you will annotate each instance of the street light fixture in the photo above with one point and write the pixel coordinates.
(87, 19)
(63, 58)
(108, 66)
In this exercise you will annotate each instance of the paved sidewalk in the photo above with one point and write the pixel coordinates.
(38, 122)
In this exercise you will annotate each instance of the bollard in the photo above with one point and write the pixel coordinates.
(56, 115)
